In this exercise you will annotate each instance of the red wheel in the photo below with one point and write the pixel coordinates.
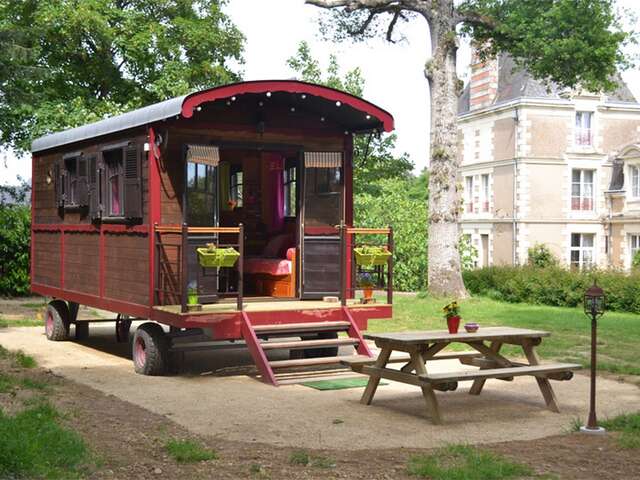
(139, 352)
(56, 323)
(150, 350)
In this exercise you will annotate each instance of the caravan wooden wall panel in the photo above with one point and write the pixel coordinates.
(126, 276)
(82, 262)
(46, 258)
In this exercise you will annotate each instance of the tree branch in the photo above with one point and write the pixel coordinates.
(475, 18)
(392, 24)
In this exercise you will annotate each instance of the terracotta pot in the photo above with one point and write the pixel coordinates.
(368, 293)
(453, 324)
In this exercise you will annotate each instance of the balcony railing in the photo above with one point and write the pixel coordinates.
(580, 203)
(382, 273)
(583, 137)
(173, 245)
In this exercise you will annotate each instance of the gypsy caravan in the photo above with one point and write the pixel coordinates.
(227, 211)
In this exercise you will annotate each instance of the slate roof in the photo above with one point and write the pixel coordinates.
(517, 83)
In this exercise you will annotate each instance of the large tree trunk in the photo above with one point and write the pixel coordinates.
(444, 276)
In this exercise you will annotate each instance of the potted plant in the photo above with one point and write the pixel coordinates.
(366, 283)
(212, 256)
(369, 255)
(452, 314)
(192, 295)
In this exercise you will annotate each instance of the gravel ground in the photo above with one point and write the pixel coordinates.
(238, 408)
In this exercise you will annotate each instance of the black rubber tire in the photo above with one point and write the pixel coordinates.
(322, 352)
(82, 330)
(155, 344)
(57, 321)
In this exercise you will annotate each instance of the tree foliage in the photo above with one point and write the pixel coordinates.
(374, 157)
(73, 61)
(571, 42)
(15, 237)
(401, 204)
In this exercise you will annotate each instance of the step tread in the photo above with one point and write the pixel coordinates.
(302, 362)
(309, 326)
(301, 344)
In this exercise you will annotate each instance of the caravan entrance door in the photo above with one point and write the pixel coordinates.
(322, 212)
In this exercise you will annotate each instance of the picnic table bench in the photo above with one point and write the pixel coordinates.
(418, 348)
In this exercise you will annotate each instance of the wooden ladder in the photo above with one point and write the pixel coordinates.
(314, 337)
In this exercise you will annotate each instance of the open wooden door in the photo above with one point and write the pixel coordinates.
(202, 210)
(322, 212)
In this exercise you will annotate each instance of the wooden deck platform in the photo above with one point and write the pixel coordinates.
(268, 306)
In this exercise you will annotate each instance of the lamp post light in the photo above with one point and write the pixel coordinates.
(594, 305)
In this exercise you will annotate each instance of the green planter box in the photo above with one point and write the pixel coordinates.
(371, 259)
(220, 257)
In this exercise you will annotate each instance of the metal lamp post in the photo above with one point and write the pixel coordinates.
(594, 305)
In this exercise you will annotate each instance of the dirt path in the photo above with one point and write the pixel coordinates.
(241, 409)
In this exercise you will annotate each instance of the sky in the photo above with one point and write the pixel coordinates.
(393, 72)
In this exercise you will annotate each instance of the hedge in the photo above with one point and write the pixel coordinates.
(554, 286)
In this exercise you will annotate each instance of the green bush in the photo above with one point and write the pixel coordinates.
(540, 256)
(401, 204)
(635, 261)
(15, 239)
(554, 286)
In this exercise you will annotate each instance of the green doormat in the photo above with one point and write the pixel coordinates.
(339, 383)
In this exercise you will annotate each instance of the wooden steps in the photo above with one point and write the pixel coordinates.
(318, 345)
(304, 362)
(301, 327)
(304, 344)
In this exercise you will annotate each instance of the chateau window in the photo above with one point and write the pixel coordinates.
(582, 189)
(485, 192)
(582, 250)
(634, 246)
(635, 181)
(583, 133)
(468, 194)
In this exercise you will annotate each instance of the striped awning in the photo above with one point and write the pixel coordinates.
(323, 159)
(207, 154)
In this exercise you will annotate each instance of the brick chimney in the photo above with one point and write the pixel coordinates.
(483, 83)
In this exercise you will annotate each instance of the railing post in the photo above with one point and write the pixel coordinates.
(184, 270)
(390, 268)
(343, 263)
(156, 265)
(240, 266)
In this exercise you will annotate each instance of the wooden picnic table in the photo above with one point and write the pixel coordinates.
(423, 347)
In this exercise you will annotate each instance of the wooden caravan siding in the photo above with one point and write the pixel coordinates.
(81, 262)
(46, 258)
(126, 267)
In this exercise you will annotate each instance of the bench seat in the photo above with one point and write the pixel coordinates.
(550, 370)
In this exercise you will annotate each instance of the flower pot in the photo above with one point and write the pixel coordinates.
(368, 293)
(453, 324)
(364, 259)
(219, 257)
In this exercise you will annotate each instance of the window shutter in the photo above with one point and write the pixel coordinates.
(83, 181)
(132, 182)
(93, 188)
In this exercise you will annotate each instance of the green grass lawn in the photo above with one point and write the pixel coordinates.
(618, 333)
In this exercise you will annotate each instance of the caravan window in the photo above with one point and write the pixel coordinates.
(114, 173)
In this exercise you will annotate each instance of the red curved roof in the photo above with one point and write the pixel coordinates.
(192, 101)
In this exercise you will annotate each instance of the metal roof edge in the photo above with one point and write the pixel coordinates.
(134, 118)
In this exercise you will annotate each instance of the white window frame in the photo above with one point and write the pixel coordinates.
(485, 191)
(582, 184)
(583, 134)
(582, 249)
(634, 181)
(468, 194)
(634, 246)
